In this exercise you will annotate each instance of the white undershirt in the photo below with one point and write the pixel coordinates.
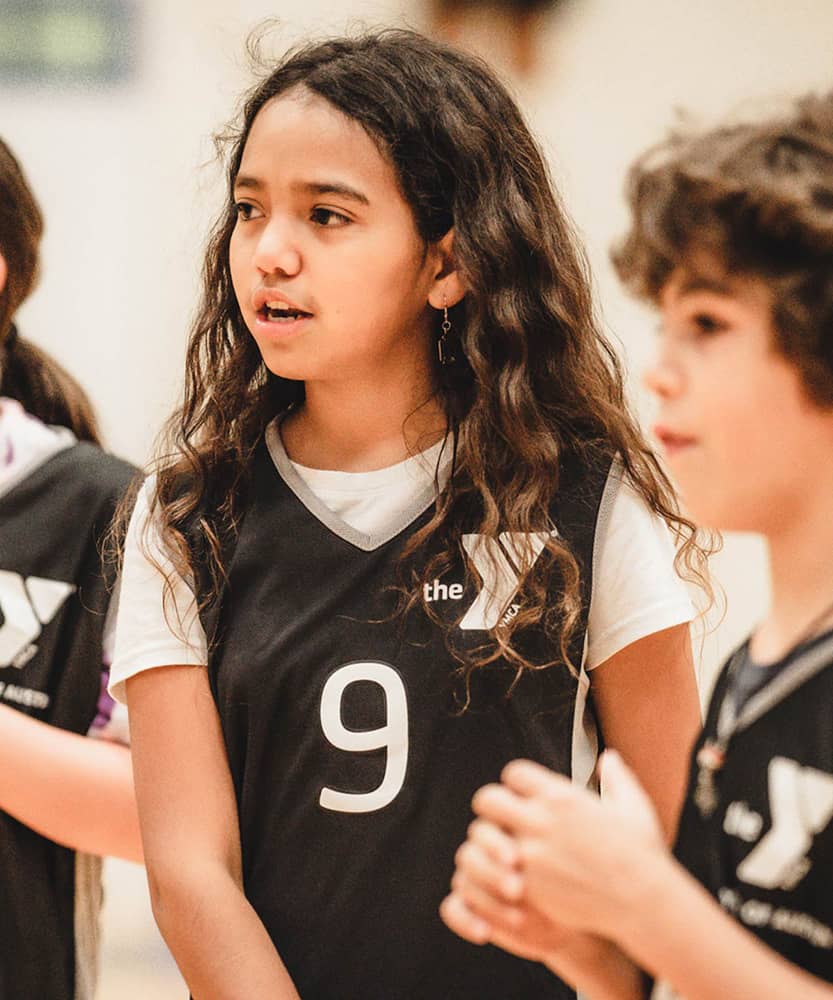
(636, 590)
(366, 500)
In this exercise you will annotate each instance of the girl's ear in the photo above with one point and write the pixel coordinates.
(448, 287)
(4, 272)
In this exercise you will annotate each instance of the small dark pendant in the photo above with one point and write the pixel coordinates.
(710, 759)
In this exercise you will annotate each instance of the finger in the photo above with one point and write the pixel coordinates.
(496, 842)
(526, 778)
(479, 867)
(503, 807)
(515, 942)
(459, 918)
(621, 790)
(484, 905)
(619, 784)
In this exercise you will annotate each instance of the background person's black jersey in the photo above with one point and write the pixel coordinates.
(53, 600)
(353, 766)
(766, 850)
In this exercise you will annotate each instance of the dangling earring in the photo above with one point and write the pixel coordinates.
(443, 350)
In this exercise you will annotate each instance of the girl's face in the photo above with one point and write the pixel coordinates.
(329, 271)
(735, 422)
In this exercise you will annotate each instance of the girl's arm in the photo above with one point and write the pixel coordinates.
(72, 789)
(188, 817)
(646, 702)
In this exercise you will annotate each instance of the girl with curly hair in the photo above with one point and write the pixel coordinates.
(406, 530)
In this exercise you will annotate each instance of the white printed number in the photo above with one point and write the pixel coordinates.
(393, 735)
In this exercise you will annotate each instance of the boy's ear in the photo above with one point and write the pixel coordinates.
(449, 287)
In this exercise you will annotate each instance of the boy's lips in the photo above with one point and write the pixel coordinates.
(673, 441)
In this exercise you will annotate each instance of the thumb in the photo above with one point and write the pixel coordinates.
(621, 789)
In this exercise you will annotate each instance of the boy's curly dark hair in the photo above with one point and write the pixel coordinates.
(757, 200)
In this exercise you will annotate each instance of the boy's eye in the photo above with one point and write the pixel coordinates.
(328, 218)
(246, 211)
(707, 323)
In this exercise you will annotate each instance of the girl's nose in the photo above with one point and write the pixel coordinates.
(276, 251)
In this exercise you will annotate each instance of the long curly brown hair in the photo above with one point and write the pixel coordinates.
(534, 378)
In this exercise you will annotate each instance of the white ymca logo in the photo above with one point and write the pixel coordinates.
(801, 804)
(27, 606)
(502, 563)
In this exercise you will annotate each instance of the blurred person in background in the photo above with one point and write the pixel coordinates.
(65, 799)
(500, 28)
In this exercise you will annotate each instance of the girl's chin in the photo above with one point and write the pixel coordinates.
(278, 363)
(284, 372)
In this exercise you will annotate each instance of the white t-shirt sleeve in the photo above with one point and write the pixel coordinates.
(152, 629)
(636, 590)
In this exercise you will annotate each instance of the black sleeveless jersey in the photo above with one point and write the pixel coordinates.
(764, 848)
(53, 600)
(352, 763)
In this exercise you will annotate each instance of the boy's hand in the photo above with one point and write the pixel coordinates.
(579, 861)
(485, 903)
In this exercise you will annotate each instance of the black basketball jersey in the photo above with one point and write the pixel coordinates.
(763, 844)
(53, 600)
(353, 765)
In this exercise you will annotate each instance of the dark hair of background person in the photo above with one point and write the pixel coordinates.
(534, 377)
(748, 200)
(27, 373)
(517, 7)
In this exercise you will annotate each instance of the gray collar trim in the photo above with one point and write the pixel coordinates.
(792, 677)
(422, 500)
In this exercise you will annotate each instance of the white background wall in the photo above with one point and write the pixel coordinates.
(127, 192)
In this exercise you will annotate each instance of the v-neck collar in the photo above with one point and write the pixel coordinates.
(423, 498)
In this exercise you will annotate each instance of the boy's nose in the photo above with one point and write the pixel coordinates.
(662, 379)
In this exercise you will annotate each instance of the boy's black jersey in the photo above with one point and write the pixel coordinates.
(765, 850)
(353, 763)
(53, 600)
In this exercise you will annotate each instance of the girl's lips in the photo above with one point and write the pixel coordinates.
(281, 327)
(263, 298)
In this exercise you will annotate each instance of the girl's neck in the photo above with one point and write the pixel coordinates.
(358, 429)
(801, 563)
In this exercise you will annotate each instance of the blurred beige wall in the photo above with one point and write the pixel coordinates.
(128, 194)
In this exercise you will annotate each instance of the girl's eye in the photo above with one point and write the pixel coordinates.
(328, 218)
(246, 211)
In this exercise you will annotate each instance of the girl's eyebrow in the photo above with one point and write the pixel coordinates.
(333, 187)
(307, 187)
(244, 181)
